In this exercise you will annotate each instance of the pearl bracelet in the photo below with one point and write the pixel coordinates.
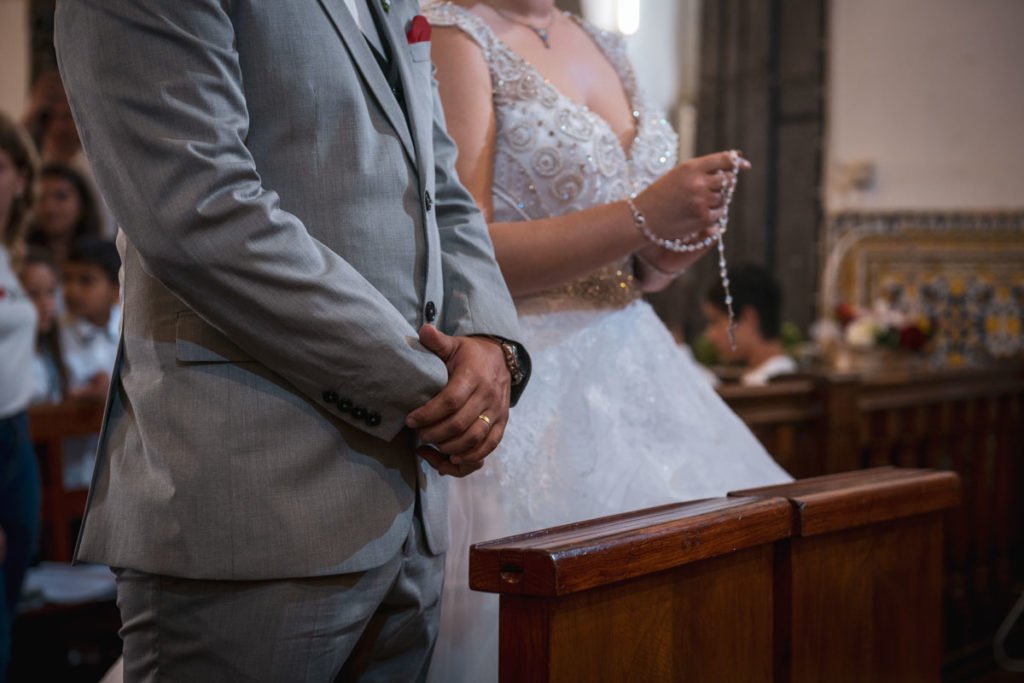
(686, 245)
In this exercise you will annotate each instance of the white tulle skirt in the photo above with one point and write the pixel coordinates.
(616, 417)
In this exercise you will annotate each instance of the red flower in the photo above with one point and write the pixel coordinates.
(845, 313)
(419, 30)
(913, 337)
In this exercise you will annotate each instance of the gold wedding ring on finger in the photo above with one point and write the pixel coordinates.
(483, 418)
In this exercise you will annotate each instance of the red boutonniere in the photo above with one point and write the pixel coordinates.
(419, 30)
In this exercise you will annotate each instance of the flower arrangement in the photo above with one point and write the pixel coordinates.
(882, 326)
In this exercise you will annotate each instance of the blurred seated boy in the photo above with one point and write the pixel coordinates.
(90, 332)
(757, 303)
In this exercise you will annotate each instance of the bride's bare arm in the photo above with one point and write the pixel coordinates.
(538, 255)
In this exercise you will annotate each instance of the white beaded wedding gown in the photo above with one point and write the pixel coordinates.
(616, 417)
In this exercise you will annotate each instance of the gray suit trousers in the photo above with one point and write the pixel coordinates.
(377, 625)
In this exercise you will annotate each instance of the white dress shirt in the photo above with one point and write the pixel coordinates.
(360, 11)
(89, 349)
(354, 11)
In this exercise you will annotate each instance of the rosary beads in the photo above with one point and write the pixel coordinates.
(693, 242)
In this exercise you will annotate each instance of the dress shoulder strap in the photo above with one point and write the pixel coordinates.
(450, 14)
(613, 45)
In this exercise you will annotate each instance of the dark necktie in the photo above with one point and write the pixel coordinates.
(388, 65)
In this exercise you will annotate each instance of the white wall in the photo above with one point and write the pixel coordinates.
(665, 51)
(14, 57)
(931, 92)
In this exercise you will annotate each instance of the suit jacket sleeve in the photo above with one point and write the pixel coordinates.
(156, 90)
(476, 296)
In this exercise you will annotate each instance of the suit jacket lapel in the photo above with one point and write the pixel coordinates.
(414, 107)
(364, 60)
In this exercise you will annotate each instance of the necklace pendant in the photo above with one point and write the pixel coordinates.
(542, 33)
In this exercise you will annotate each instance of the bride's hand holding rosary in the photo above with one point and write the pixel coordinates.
(683, 215)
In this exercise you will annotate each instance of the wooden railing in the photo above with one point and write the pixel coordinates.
(966, 421)
(830, 579)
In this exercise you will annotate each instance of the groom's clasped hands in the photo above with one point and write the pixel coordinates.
(465, 421)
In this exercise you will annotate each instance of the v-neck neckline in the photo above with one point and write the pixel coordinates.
(628, 85)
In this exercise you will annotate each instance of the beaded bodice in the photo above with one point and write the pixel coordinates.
(553, 155)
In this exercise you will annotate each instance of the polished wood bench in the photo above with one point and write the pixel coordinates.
(859, 582)
(966, 420)
(836, 578)
(680, 592)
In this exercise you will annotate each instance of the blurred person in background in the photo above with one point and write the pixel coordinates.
(89, 337)
(49, 121)
(757, 300)
(40, 279)
(44, 98)
(19, 475)
(65, 211)
(91, 328)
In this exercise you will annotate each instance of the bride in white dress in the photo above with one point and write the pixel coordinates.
(553, 137)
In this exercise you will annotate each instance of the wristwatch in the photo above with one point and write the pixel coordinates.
(512, 361)
(517, 360)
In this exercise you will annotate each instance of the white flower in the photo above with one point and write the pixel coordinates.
(826, 332)
(860, 334)
(885, 316)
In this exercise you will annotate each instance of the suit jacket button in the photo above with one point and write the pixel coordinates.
(344, 405)
(428, 201)
(359, 412)
(372, 419)
(330, 397)
(430, 312)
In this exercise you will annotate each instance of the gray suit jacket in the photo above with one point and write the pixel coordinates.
(285, 231)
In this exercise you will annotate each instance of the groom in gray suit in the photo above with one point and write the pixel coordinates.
(309, 297)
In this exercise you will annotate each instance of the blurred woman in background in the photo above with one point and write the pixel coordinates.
(65, 210)
(19, 475)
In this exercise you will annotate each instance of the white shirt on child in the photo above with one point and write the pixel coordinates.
(45, 379)
(773, 367)
(90, 349)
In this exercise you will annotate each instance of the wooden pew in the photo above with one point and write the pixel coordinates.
(680, 592)
(810, 424)
(50, 426)
(786, 417)
(968, 421)
(964, 420)
(859, 583)
(808, 585)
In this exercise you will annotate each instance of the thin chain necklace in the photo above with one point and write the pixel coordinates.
(540, 31)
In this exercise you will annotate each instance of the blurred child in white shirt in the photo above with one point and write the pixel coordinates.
(91, 328)
(89, 337)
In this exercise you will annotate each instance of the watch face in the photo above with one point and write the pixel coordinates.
(512, 360)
